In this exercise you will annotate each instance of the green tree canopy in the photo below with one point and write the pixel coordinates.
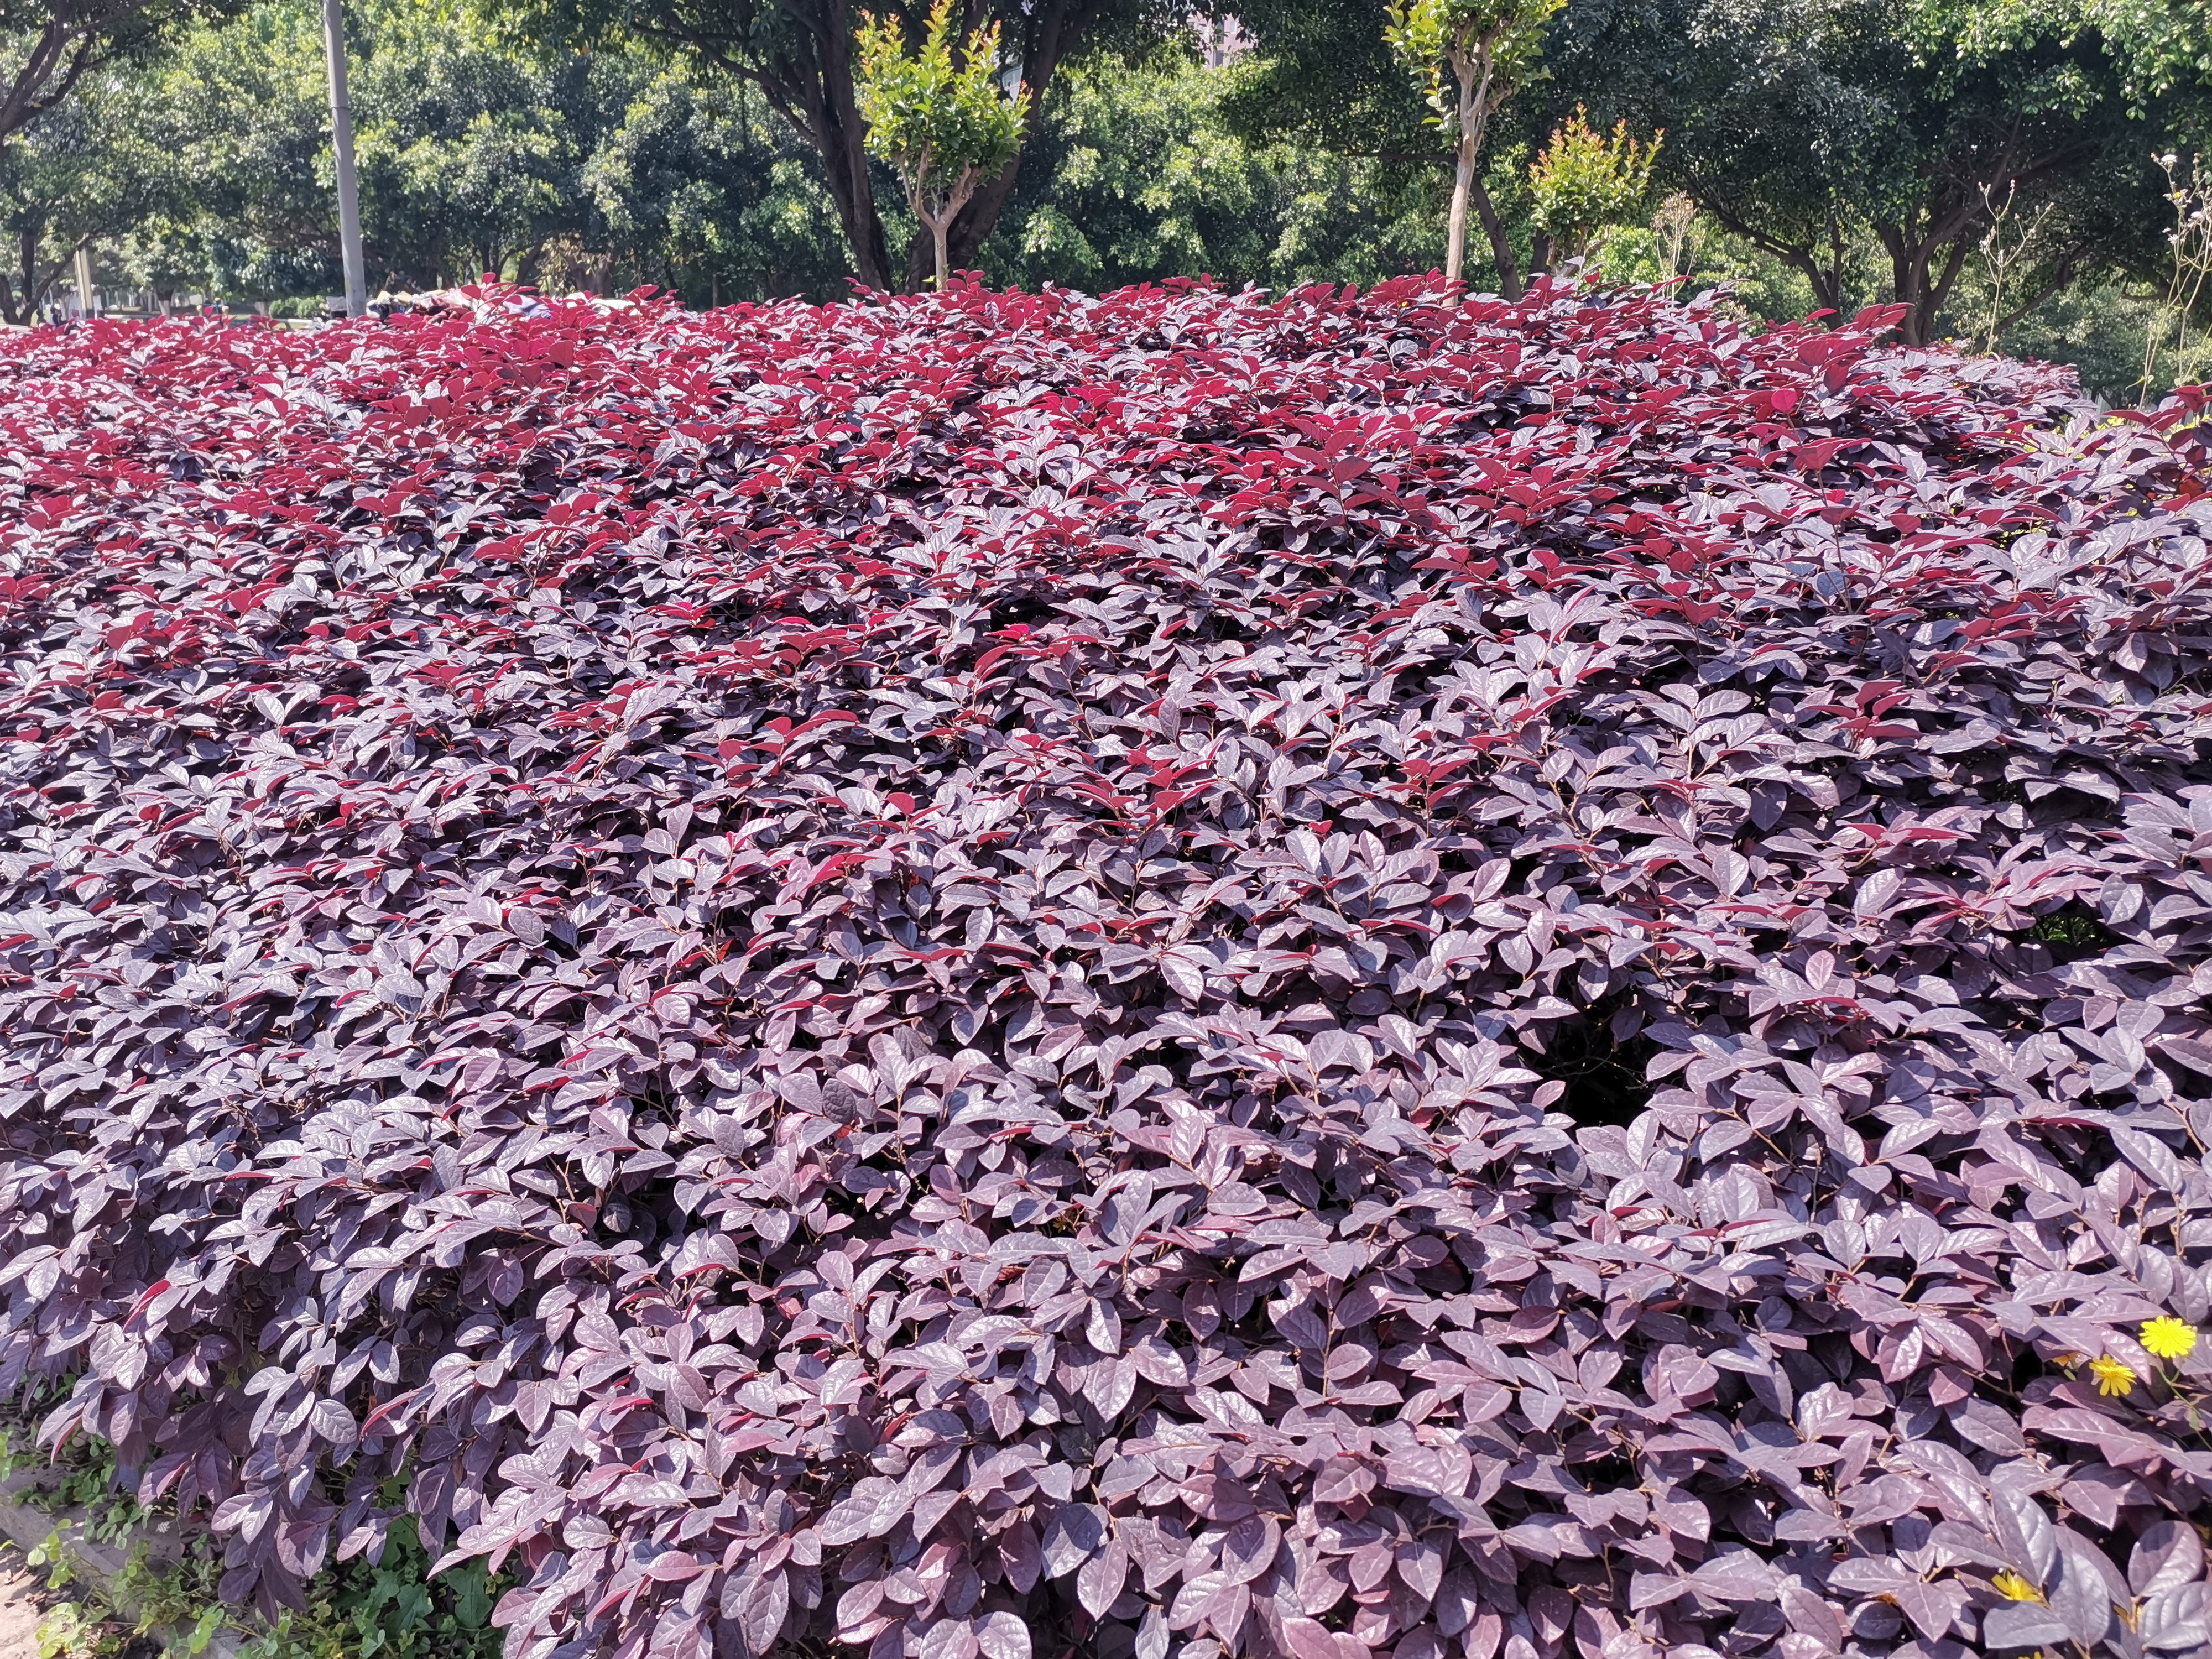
(48, 46)
(801, 55)
(938, 115)
(1801, 123)
(207, 167)
(1585, 183)
(1138, 171)
(1489, 50)
(90, 167)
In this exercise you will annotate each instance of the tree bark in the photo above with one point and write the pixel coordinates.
(833, 122)
(28, 250)
(2062, 277)
(807, 75)
(67, 45)
(809, 82)
(1473, 61)
(1462, 180)
(1501, 245)
(1913, 282)
(1051, 36)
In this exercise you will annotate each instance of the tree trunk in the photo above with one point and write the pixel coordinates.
(813, 90)
(808, 79)
(69, 43)
(969, 228)
(27, 249)
(973, 225)
(1913, 284)
(1826, 282)
(938, 227)
(1501, 245)
(850, 183)
(1462, 178)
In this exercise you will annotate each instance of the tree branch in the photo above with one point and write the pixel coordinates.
(2062, 276)
(1826, 284)
(1501, 245)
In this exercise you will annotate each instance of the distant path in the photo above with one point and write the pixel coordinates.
(20, 1612)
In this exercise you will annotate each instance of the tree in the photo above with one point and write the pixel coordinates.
(84, 172)
(469, 149)
(940, 119)
(254, 214)
(703, 190)
(1806, 125)
(1493, 48)
(1585, 183)
(1136, 174)
(603, 169)
(800, 55)
(52, 45)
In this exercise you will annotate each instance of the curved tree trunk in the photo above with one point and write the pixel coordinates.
(1501, 244)
(1055, 28)
(1462, 175)
(833, 123)
(1915, 281)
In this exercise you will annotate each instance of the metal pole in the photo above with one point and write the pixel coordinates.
(357, 280)
(84, 283)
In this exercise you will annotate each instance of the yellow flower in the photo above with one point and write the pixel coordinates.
(2015, 1588)
(2113, 1376)
(2168, 1338)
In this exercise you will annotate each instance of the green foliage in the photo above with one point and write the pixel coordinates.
(50, 49)
(1501, 40)
(938, 116)
(2189, 195)
(387, 1608)
(2162, 47)
(1584, 184)
(78, 1474)
(465, 150)
(1493, 48)
(1809, 131)
(1140, 172)
(1807, 125)
(173, 1602)
(708, 194)
(93, 167)
(210, 169)
(251, 211)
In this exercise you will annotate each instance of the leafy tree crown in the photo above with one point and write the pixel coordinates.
(940, 117)
(1430, 35)
(1584, 182)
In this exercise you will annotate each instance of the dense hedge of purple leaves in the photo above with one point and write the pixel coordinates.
(1167, 975)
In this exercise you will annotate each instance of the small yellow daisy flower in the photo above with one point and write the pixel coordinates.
(2113, 1376)
(2014, 1588)
(2168, 1338)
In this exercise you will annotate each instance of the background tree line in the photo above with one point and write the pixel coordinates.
(2018, 172)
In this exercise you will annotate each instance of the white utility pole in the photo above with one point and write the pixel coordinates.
(356, 279)
(84, 283)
